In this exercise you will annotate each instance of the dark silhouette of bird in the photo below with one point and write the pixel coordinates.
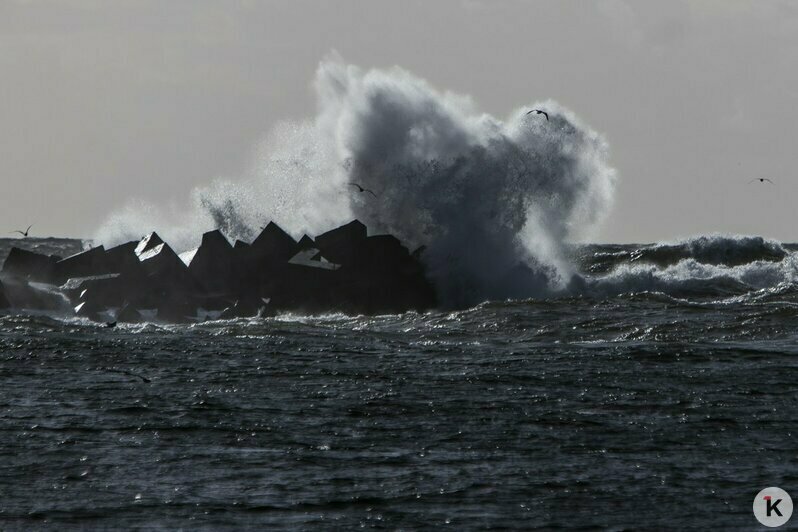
(362, 189)
(538, 112)
(110, 324)
(762, 180)
(24, 233)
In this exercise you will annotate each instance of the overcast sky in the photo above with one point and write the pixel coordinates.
(102, 101)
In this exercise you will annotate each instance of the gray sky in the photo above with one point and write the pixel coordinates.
(102, 101)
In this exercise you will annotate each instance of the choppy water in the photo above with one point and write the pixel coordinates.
(61, 247)
(661, 394)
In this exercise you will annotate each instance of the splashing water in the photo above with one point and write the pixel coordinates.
(493, 201)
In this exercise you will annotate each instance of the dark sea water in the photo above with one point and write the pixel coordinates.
(660, 393)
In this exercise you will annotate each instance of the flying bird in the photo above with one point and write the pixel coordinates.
(762, 180)
(362, 189)
(25, 233)
(538, 112)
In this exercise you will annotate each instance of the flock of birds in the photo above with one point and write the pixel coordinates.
(363, 190)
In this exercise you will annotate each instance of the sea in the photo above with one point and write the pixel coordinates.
(660, 392)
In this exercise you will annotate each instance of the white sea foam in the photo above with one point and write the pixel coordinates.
(692, 276)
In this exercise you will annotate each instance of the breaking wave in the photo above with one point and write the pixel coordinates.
(727, 250)
(492, 200)
(710, 266)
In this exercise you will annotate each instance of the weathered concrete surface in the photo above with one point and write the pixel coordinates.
(86, 263)
(341, 270)
(4, 303)
(213, 264)
(29, 265)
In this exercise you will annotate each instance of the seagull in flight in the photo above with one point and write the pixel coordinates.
(362, 189)
(762, 180)
(538, 112)
(25, 233)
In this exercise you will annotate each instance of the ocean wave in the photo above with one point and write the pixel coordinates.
(691, 277)
(716, 249)
(493, 200)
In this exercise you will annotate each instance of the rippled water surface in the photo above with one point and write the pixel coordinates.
(621, 410)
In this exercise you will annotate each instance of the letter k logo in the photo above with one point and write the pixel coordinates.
(772, 506)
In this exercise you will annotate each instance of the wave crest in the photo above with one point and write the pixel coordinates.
(727, 250)
(710, 265)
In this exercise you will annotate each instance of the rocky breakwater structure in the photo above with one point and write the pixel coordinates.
(341, 270)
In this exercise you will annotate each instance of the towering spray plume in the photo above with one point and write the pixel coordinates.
(492, 200)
